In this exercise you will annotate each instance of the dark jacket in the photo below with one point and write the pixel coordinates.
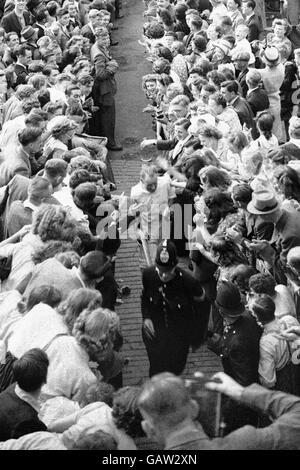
(21, 73)
(286, 233)
(241, 79)
(14, 411)
(244, 112)
(105, 86)
(239, 349)
(88, 33)
(10, 22)
(258, 100)
(254, 28)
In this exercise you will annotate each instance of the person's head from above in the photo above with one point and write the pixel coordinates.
(166, 406)
(51, 72)
(248, 7)
(218, 204)
(233, 5)
(38, 81)
(265, 122)
(226, 25)
(293, 261)
(287, 179)
(252, 162)
(229, 302)
(169, 38)
(29, 104)
(216, 78)
(24, 55)
(294, 127)
(41, 15)
(84, 195)
(265, 205)
(217, 103)
(165, 18)
(161, 65)
(241, 61)
(212, 177)
(20, 7)
(62, 128)
(79, 176)
(77, 301)
(166, 260)
(31, 139)
(148, 177)
(30, 371)
(69, 259)
(93, 267)
(53, 222)
(181, 128)
(199, 43)
(55, 171)
(262, 308)
(241, 32)
(12, 40)
(52, 8)
(230, 90)
(214, 32)
(179, 106)
(225, 252)
(194, 22)
(241, 195)
(253, 78)
(95, 331)
(240, 276)
(63, 17)
(97, 440)
(45, 294)
(165, 53)
(162, 82)
(261, 284)
(94, 17)
(237, 142)
(210, 137)
(102, 37)
(180, 10)
(98, 392)
(278, 157)
(280, 27)
(39, 190)
(177, 47)
(125, 412)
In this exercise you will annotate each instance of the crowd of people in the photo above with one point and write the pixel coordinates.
(216, 217)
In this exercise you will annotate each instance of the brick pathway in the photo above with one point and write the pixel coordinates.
(132, 126)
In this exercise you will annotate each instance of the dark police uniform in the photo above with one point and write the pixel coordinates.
(173, 310)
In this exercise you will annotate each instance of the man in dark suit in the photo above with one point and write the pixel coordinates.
(251, 20)
(20, 401)
(17, 19)
(104, 89)
(24, 55)
(229, 90)
(256, 96)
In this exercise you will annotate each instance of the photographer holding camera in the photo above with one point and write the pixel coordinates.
(169, 415)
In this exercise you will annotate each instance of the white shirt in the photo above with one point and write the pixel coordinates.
(218, 12)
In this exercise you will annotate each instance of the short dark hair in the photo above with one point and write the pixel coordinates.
(219, 99)
(92, 264)
(262, 284)
(30, 371)
(264, 308)
(242, 192)
(56, 167)
(231, 86)
(28, 135)
(250, 4)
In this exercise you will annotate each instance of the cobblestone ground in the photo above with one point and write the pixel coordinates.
(132, 127)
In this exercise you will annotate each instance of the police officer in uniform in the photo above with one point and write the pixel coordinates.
(172, 301)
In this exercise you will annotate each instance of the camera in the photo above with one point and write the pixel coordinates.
(209, 404)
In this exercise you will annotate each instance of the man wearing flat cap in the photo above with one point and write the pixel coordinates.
(171, 300)
(236, 341)
(286, 233)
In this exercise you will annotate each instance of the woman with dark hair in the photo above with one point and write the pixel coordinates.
(166, 19)
(288, 184)
(267, 140)
(180, 26)
(222, 213)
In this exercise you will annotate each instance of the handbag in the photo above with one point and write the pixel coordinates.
(5, 267)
